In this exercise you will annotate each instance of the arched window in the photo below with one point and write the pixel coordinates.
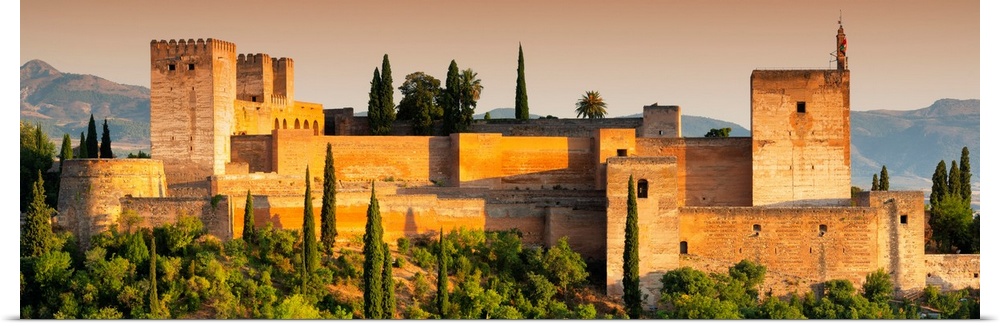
(306, 125)
(642, 189)
(297, 126)
(276, 123)
(315, 128)
(284, 124)
(822, 230)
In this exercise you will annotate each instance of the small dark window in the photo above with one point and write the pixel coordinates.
(800, 107)
(661, 132)
(253, 98)
(684, 247)
(756, 229)
(171, 67)
(903, 219)
(975, 275)
(190, 66)
(622, 152)
(822, 229)
(642, 189)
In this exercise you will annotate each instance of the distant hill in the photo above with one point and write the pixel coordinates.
(62, 103)
(695, 126)
(502, 113)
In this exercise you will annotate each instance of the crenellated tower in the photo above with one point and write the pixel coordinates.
(192, 90)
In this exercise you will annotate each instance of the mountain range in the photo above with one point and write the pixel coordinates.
(909, 143)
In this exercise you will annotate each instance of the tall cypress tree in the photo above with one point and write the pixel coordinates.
(248, 220)
(106, 142)
(630, 257)
(388, 285)
(92, 150)
(376, 121)
(37, 229)
(385, 99)
(308, 236)
(328, 214)
(954, 180)
(521, 94)
(374, 255)
(875, 182)
(939, 184)
(154, 298)
(450, 100)
(66, 152)
(966, 180)
(442, 288)
(83, 147)
(883, 181)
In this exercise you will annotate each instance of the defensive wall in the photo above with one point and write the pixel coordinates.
(952, 272)
(215, 213)
(90, 189)
(710, 171)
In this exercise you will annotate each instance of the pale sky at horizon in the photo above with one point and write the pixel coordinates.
(696, 54)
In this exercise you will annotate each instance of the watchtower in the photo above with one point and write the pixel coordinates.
(801, 129)
(192, 89)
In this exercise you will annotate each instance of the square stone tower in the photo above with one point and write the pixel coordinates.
(192, 89)
(801, 129)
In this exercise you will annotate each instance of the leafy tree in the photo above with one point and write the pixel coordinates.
(875, 185)
(564, 266)
(955, 180)
(248, 220)
(951, 221)
(591, 106)
(630, 259)
(486, 116)
(939, 185)
(718, 133)
(36, 156)
(442, 287)
(449, 100)
(328, 214)
(83, 147)
(66, 152)
(141, 154)
(106, 142)
(36, 234)
(883, 181)
(374, 293)
(376, 120)
(92, 150)
(419, 103)
(773, 308)
(388, 285)
(521, 93)
(309, 259)
(966, 179)
(878, 286)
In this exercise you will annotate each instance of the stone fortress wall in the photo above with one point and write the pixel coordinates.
(780, 198)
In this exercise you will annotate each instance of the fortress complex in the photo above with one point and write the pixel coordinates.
(224, 124)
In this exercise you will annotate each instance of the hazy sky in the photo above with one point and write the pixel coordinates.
(696, 54)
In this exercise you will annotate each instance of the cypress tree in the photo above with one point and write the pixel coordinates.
(83, 146)
(388, 285)
(954, 180)
(154, 298)
(106, 142)
(376, 121)
(308, 236)
(92, 149)
(328, 214)
(883, 182)
(385, 99)
(939, 184)
(374, 255)
(248, 220)
(450, 98)
(875, 182)
(630, 257)
(37, 230)
(66, 152)
(966, 178)
(521, 94)
(442, 288)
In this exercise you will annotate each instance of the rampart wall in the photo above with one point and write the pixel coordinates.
(710, 171)
(952, 272)
(90, 189)
(214, 214)
(255, 151)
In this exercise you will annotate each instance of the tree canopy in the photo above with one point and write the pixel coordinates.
(591, 106)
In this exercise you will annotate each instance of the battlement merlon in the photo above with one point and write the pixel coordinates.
(284, 78)
(166, 48)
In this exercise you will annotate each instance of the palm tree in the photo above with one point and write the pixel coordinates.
(591, 106)
(471, 86)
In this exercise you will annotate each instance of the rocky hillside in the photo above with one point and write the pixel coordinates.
(63, 102)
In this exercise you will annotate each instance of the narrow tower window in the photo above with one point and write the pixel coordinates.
(171, 67)
(642, 189)
(903, 219)
(800, 107)
(756, 229)
(684, 247)
(822, 230)
(622, 152)
(190, 66)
